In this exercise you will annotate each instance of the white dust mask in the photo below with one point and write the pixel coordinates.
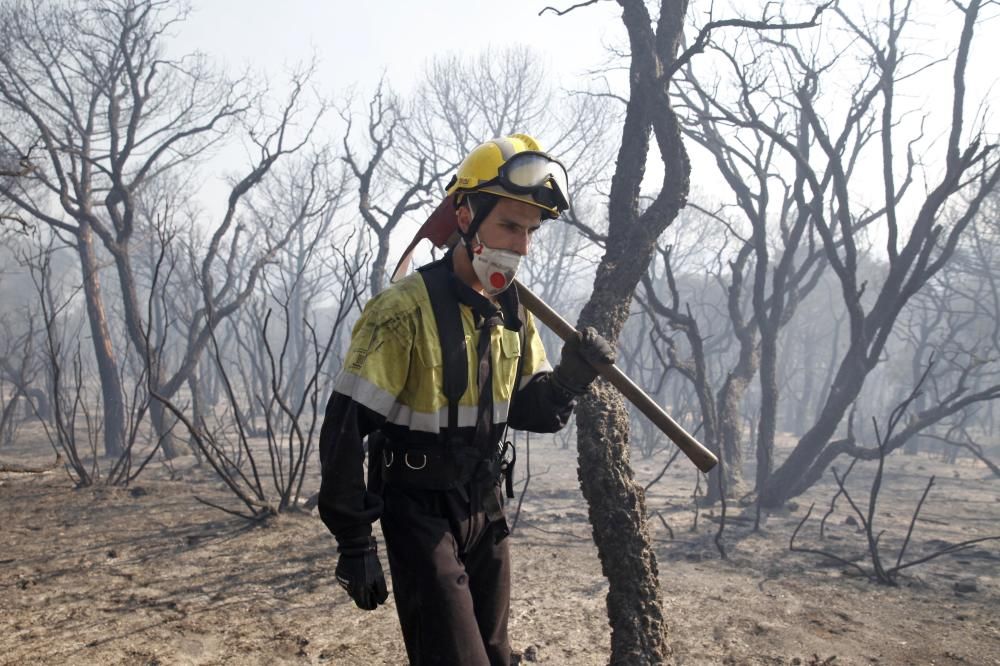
(495, 268)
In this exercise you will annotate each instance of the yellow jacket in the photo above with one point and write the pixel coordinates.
(392, 380)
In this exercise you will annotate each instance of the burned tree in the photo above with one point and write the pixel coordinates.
(37, 47)
(778, 283)
(293, 384)
(914, 252)
(881, 571)
(374, 178)
(91, 85)
(616, 504)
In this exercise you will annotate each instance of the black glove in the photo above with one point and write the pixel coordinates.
(575, 371)
(359, 572)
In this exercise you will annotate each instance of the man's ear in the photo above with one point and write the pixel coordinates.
(464, 216)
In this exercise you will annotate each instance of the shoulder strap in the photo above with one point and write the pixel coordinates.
(451, 336)
(522, 315)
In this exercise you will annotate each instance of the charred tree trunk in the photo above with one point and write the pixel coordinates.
(381, 258)
(43, 406)
(163, 429)
(7, 418)
(790, 480)
(767, 426)
(615, 501)
(616, 504)
(617, 513)
(107, 365)
(730, 399)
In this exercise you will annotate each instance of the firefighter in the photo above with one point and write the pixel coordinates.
(439, 365)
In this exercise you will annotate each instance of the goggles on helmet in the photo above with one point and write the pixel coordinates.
(529, 172)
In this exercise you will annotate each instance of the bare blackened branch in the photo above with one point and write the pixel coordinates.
(833, 500)
(665, 468)
(764, 25)
(563, 12)
(823, 553)
(913, 521)
(948, 550)
(972, 447)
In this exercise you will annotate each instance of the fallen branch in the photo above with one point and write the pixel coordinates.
(948, 550)
(833, 502)
(823, 553)
(666, 526)
(970, 446)
(15, 468)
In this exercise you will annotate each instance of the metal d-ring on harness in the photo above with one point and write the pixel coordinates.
(423, 461)
(389, 457)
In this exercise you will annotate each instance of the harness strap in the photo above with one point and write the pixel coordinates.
(451, 335)
(521, 314)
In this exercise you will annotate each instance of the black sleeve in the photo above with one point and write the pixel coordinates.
(345, 505)
(541, 406)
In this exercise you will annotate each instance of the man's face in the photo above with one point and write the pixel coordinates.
(509, 226)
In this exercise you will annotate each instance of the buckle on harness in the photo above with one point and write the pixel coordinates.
(406, 459)
(388, 461)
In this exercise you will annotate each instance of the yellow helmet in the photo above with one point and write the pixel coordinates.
(514, 167)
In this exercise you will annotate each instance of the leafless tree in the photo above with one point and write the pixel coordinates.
(268, 479)
(617, 510)
(953, 320)
(73, 433)
(37, 48)
(915, 252)
(90, 84)
(310, 192)
(881, 571)
(19, 324)
(54, 374)
(778, 260)
(385, 196)
(720, 408)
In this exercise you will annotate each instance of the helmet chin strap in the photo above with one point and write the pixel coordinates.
(477, 220)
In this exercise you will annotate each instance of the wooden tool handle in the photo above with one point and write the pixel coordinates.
(692, 448)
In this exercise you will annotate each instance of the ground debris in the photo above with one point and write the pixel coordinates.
(157, 569)
(966, 586)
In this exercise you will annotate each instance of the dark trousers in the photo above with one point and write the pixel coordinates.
(450, 576)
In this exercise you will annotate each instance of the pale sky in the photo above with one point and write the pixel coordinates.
(356, 42)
